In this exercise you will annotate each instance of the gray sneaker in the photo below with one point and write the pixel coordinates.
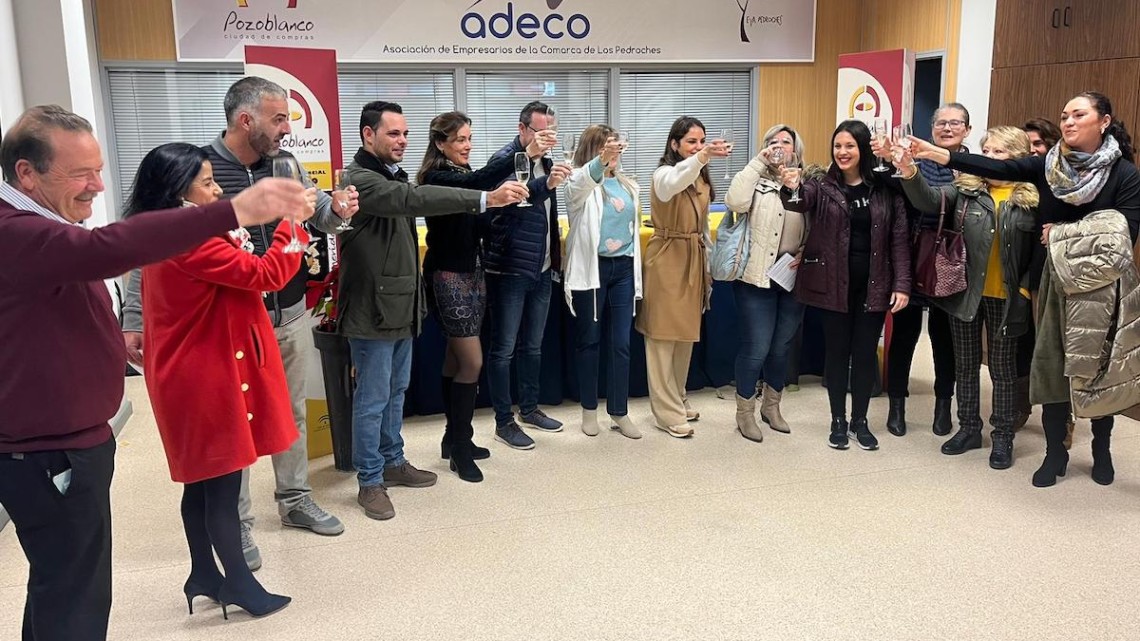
(510, 434)
(309, 516)
(539, 420)
(249, 548)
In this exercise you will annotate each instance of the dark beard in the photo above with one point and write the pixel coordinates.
(263, 145)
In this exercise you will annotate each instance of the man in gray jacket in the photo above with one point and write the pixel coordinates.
(257, 119)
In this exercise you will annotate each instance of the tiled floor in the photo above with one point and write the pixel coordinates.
(712, 537)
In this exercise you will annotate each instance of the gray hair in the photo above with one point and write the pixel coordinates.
(951, 105)
(246, 95)
(797, 142)
(28, 139)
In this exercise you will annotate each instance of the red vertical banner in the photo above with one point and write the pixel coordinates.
(309, 76)
(876, 84)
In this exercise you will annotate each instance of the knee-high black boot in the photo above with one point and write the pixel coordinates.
(1053, 418)
(205, 579)
(239, 588)
(445, 383)
(1102, 470)
(462, 431)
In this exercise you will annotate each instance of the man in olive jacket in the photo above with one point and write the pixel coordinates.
(381, 298)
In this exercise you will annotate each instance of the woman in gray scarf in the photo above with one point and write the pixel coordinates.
(1091, 169)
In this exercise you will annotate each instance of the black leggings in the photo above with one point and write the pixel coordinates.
(907, 326)
(210, 518)
(851, 341)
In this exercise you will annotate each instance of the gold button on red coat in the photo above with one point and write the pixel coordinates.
(245, 387)
(249, 417)
(240, 355)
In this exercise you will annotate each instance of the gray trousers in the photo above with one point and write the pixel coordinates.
(291, 467)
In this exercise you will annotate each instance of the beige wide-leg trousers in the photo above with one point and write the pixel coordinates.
(667, 367)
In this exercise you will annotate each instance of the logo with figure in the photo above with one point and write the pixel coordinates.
(748, 21)
(244, 4)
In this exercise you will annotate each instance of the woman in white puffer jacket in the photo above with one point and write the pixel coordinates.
(602, 272)
(768, 315)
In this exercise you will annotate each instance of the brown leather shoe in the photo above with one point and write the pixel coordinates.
(374, 499)
(408, 476)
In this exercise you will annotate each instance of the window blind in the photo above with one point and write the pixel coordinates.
(651, 101)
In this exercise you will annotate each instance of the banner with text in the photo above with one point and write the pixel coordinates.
(876, 84)
(309, 77)
(504, 31)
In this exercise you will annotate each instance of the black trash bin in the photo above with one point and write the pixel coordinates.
(336, 365)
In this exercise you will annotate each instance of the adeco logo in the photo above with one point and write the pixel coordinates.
(504, 24)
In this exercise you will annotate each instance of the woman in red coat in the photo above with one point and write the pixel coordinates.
(213, 372)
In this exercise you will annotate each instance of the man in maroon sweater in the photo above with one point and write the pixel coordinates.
(63, 376)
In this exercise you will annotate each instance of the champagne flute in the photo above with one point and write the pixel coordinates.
(776, 156)
(902, 139)
(792, 160)
(729, 138)
(287, 167)
(342, 185)
(623, 138)
(881, 131)
(522, 172)
(569, 146)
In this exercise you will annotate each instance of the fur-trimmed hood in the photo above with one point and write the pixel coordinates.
(1024, 195)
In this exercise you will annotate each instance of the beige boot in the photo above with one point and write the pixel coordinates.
(770, 411)
(624, 425)
(746, 419)
(590, 422)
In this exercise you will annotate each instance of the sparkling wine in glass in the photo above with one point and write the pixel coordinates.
(569, 146)
(522, 172)
(729, 139)
(903, 133)
(881, 132)
(623, 139)
(792, 160)
(287, 167)
(342, 185)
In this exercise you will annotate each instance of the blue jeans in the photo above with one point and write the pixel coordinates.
(383, 371)
(767, 320)
(614, 300)
(518, 308)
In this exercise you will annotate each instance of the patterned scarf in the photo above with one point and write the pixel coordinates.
(1076, 177)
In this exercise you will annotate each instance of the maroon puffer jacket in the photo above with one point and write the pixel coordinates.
(823, 275)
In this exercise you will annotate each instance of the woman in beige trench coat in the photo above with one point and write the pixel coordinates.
(675, 273)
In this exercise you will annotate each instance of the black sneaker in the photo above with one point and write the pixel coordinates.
(1001, 455)
(962, 441)
(862, 434)
(838, 438)
(510, 434)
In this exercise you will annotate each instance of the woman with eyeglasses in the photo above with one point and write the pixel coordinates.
(949, 128)
(1091, 170)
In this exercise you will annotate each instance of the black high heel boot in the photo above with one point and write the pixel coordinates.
(463, 464)
(254, 599)
(943, 423)
(1102, 470)
(459, 428)
(193, 589)
(896, 416)
(445, 383)
(1056, 456)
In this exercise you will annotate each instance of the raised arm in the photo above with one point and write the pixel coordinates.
(220, 262)
(743, 186)
(487, 178)
(926, 198)
(39, 253)
(670, 180)
(393, 199)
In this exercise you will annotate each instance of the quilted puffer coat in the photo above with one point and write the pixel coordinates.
(1092, 261)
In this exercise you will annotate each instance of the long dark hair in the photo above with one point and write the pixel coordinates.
(862, 135)
(164, 176)
(681, 126)
(1116, 128)
(442, 128)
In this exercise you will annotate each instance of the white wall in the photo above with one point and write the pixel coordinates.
(975, 62)
(12, 96)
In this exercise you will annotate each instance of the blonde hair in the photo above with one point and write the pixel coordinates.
(1014, 140)
(591, 142)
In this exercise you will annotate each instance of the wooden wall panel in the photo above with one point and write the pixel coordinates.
(920, 25)
(803, 95)
(135, 29)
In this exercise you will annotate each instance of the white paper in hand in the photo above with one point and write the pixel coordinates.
(782, 273)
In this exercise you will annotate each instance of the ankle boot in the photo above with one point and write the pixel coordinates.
(943, 424)
(896, 416)
(770, 410)
(463, 464)
(590, 422)
(1001, 451)
(1102, 470)
(1056, 456)
(459, 429)
(626, 426)
(254, 599)
(746, 419)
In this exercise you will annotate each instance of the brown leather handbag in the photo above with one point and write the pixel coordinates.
(940, 257)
